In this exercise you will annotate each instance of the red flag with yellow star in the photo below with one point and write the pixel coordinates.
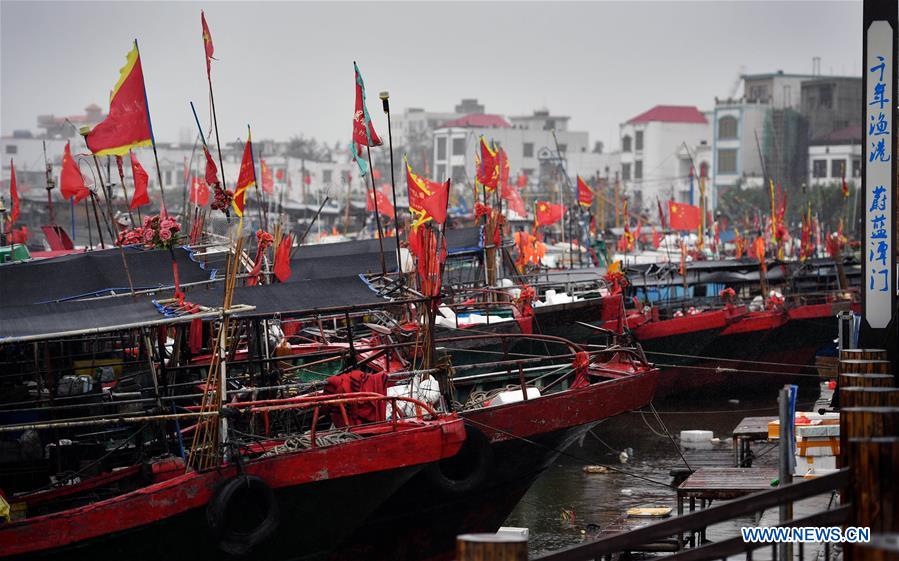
(682, 216)
(488, 169)
(128, 124)
(245, 179)
(207, 45)
(548, 213)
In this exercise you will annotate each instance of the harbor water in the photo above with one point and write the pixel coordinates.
(567, 506)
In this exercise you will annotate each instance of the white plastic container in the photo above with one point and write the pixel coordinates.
(514, 396)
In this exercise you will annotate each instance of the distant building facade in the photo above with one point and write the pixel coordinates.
(833, 155)
(656, 150)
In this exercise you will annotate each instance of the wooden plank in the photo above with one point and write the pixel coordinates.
(753, 427)
(729, 479)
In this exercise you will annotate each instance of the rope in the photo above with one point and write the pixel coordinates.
(304, 441)
(722, 370)
(722, 359)
(570, 455)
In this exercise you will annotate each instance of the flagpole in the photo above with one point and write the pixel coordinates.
(396, 220)
(164, 210)
(125, 189)
(260, 200)
(374, 195)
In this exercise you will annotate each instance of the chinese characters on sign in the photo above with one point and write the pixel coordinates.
(878, 175)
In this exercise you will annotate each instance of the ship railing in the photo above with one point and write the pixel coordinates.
(696, 522)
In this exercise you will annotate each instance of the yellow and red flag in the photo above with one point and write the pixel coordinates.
(488, 169)
(207, 45)
(548, 213)
(245, 179)
(584, 193)
(435, 204)
(268, 180)
(128, 124)
(420, 188)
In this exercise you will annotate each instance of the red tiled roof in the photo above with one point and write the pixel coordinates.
(671, 114)
(479, 120)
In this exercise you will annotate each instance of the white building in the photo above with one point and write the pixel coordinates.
(832, 155)
(656, 150)
(737, 124)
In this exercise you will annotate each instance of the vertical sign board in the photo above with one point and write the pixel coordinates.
(879, 155)
(879, 282)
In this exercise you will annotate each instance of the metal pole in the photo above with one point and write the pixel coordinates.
(374, 195)
(396, 220)
(784, 464)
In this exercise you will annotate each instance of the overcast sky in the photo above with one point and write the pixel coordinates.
(287, 67)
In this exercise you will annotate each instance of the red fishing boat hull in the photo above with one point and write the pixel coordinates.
(521, 440)
(322, 495)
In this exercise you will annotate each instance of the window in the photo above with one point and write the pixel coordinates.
(638, 140)
(727, 127)
(527, 149)
(168, 177)
(625, 143)
(727, 161)
(458, 146)
(836, 168)
(528, 171)
(856, 168)
(458, 174)
(758, 93)
(638, 169)
(12, 149)
(441, 148)
(563, 148)
(326, 176)
(819, 168)
(625, 172)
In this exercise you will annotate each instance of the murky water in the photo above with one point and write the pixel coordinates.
(561, 507)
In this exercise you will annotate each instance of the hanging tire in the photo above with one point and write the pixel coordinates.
(468, 470)
(242, 514)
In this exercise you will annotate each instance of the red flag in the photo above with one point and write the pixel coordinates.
(661, 214)
(584, 193)
(71, 182)
(212, 172)
(207, 45)
(13, 195)
(141, 178)
(419, 189)
(511, 194)
(245, 179)
(488, 169)
(199, 191)
(683, 216)
(384, 205)
(435, 203)
(128, 124)
(282, 259)
(376, 173)
(548, 213)
(268, 181)
(656, 238)
(844, 186)
(522, 181)
(307, 178)
(363, 131)
(279, 174)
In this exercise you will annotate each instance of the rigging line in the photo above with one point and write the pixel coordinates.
(665, 428)
(719, 411)
(725, 370)
(723, 359)
(570, 455)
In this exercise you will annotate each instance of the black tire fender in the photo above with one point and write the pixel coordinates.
(242, 514)
(468, 470)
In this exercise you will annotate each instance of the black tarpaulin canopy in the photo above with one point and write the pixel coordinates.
(295, 297)
(82, 317)
(94, 273)
(332, 260)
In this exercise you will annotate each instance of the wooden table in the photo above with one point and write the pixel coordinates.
(750, 429)
(710, 484)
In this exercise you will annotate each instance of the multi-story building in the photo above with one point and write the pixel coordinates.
(738, 126)
(834, 154)
(830, 104)
(657, 148)
(528, 142)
